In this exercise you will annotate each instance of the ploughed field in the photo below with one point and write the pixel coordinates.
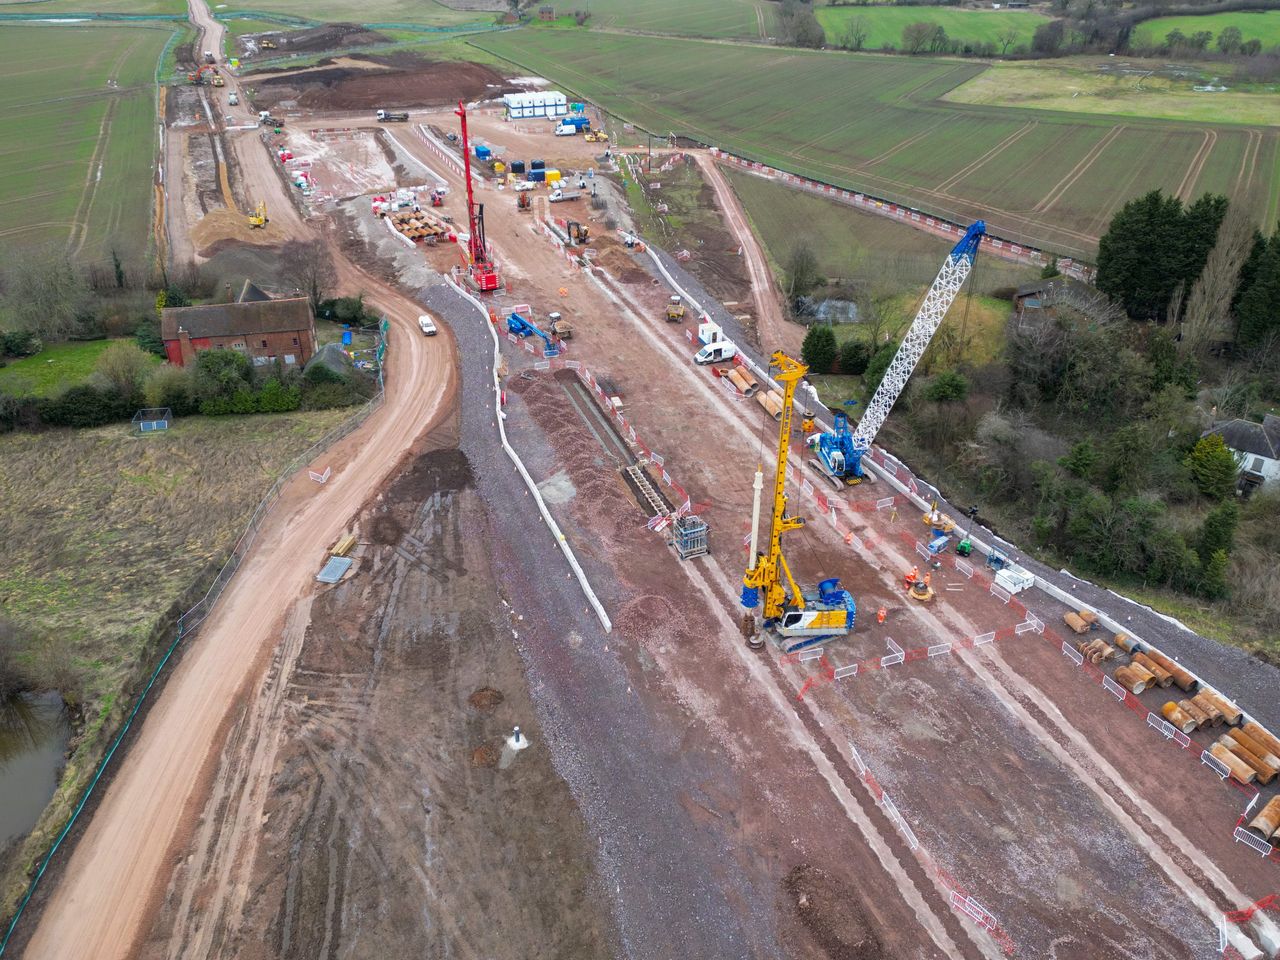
(874, 123)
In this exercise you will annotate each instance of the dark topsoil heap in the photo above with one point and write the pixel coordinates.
(396, 81)
(329, 36)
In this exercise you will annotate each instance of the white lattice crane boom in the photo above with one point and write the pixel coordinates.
(936, 303)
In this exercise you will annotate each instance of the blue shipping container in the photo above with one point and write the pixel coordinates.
(537, 176)
(482, 152)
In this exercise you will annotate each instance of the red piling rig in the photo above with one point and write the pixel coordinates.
(482, 270)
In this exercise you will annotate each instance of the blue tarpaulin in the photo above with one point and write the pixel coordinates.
(334, 569)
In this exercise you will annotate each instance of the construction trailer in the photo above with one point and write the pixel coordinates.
(840, 451)
(794, 619)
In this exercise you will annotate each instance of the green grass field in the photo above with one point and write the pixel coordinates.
(876, 123)
(1263, 25)
(62, 7)
(77, 137)
(53, 369)
(696, 18)
(106, 531)
(423, 12)
(884, 24)
(1080, 84)
(854, 245)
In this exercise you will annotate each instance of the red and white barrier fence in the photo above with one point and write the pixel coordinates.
(939, 226)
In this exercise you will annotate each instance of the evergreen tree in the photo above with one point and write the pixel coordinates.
(854, 357)
(1198, 233)
(947, 387)
(1213, 466)
(1218, 531)
(1214, 582)
(1136, 253)
(1080, 461)
(819, 349)
(1152, 245)
(1249, 269)
(1259, 312)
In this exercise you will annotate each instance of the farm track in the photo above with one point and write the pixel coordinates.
(1078, 171)
(1196, 167)
(995, 151)
(1248, 162)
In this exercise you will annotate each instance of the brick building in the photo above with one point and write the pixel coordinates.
(263, 329)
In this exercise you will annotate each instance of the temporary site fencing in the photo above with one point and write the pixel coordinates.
(680, 496)
(938, 226)
(188, 622)
(961, 901)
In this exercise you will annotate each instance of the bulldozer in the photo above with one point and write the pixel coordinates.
(259, 216)
(675, 309)
(217, 79)
(268, 44)
(593, 136)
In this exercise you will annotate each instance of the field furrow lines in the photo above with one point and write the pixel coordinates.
(1077, 171)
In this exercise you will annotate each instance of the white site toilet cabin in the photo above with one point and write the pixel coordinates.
(709, 331)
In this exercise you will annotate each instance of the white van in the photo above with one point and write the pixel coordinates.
(428, 326)
(566, 130)
(716, 352)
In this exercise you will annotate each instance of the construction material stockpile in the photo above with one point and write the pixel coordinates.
(1267, 822)
(420, 227)
(1245, 749)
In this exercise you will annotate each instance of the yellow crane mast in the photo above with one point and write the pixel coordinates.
(799, 621)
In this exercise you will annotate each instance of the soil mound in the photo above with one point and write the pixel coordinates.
(330, 36)
(486, 756)
(220, 228)
(486, 698)
(387, 82)
(828, 907)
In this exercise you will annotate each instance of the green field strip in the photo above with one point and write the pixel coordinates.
(1222, 170)
(884, 24)
(55, 92)
(833, 116)
(702, 18)
(1262, 25)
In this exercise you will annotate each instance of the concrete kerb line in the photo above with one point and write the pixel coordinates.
(549, 520)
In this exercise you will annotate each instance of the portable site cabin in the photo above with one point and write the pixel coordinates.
(535, 103)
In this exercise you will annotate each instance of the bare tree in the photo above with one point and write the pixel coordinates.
(124, 366)
(1007, 37)
(855, 34)
(1208, 312)
(45, 294)
(917, 36)
(308, 267)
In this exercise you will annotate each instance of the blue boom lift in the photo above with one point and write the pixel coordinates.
(521, 327)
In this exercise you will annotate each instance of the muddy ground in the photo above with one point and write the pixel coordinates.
(396, 81)
(392, 824)
(330, 36)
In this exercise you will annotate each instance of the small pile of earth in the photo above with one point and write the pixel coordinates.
(486, 756)
(828, 907)
(330, 36)
(221, 227)
(486, 698)
(386, 82)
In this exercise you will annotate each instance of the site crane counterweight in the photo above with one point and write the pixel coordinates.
(840, 450)
(482, 270)
(798, 620)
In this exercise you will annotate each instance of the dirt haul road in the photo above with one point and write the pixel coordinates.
(113, 873)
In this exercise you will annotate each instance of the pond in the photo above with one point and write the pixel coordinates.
(33, 737)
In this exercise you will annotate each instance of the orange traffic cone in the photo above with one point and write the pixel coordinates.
(881, 614)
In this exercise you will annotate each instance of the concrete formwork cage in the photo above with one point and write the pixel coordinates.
(152, 419)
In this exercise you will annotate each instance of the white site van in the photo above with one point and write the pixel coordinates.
(428, 326)
(716, 352)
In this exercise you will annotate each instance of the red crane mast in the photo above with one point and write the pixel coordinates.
(483, 271)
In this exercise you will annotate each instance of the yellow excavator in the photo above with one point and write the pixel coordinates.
(259, 216)
(797, 619)
(267, 44)
(675, 309)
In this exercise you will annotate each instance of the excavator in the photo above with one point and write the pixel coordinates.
(197, 78)
(797, 619)
(523, 202)
(268, 44)
(259, 216)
